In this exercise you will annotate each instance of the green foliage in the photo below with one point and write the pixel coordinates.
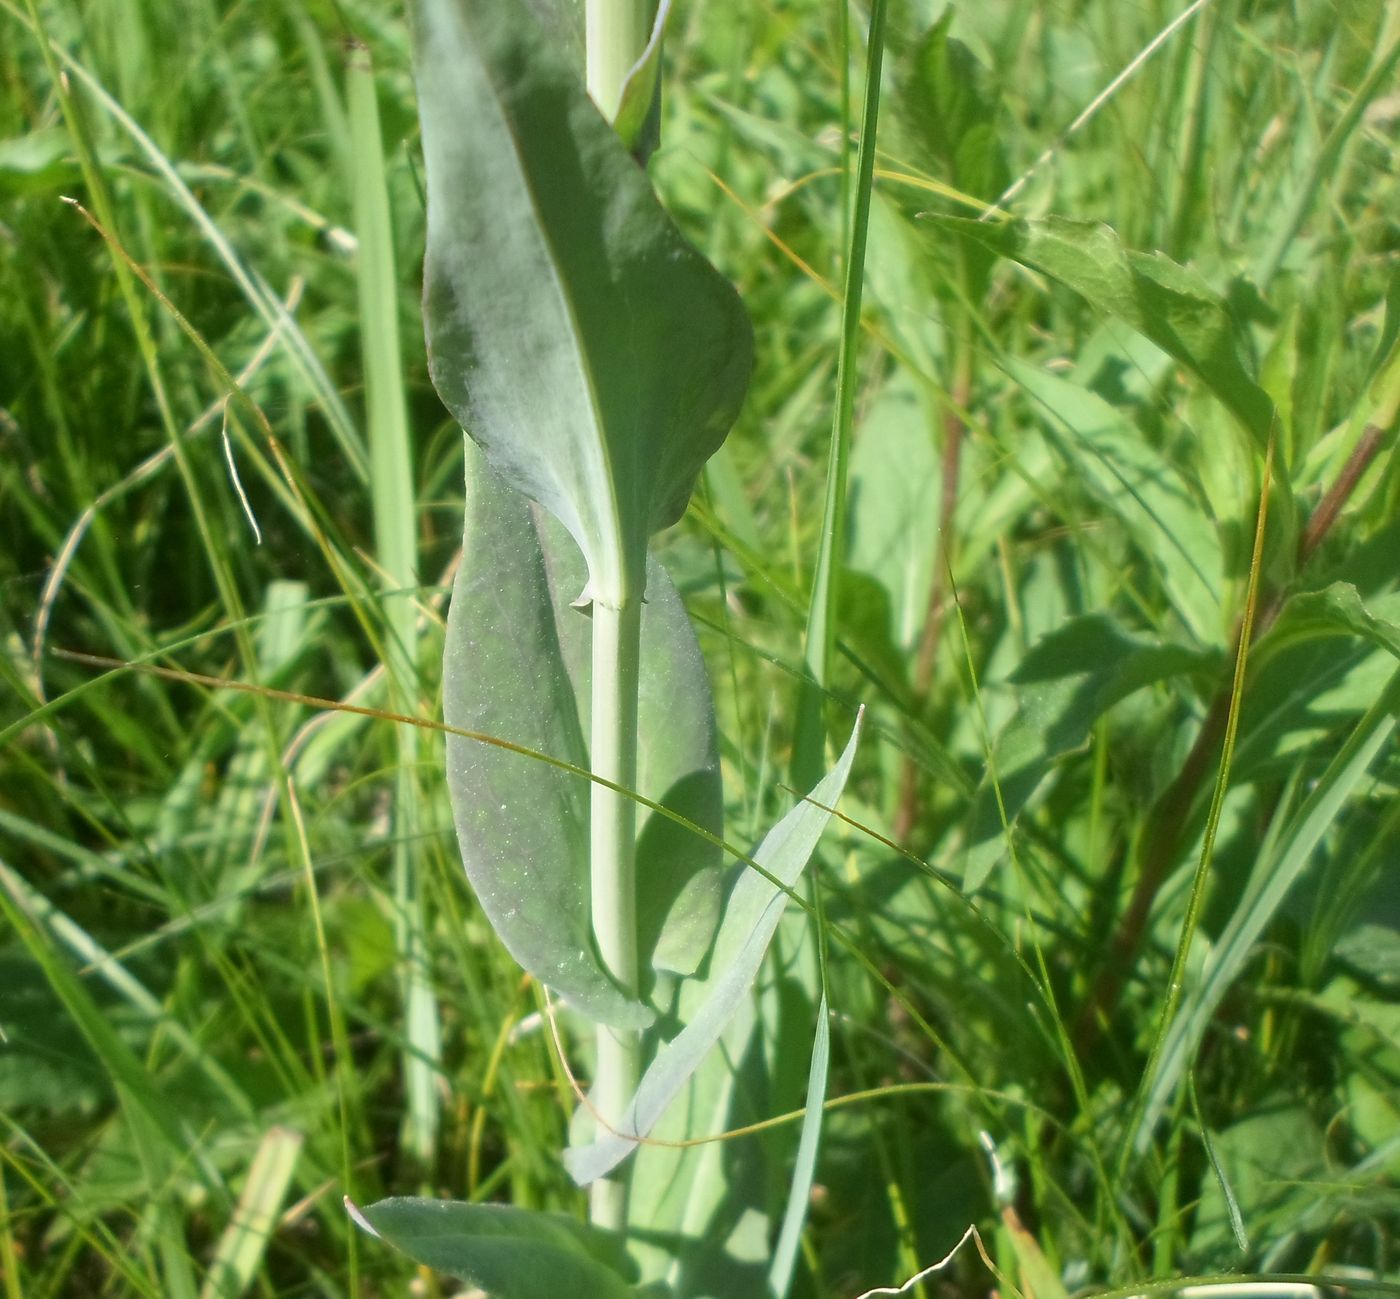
(750, 919)
(204, 980)
(1165, 302)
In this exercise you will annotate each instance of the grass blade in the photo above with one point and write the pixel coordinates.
(395, 532)
(810, 739)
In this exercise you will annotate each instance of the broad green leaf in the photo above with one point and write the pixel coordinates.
(894, 527)
(510, 1253)
(1327, 656)
(750, 919)
(1265, 1161)
(1067, 681)
(516, 666)
(595, 356)
(1166, 302)
(562, 22)
(952, 118)
(952, 112)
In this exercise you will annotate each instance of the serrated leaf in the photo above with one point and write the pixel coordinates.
(1337, 610)
(595, 356)
(1164, 301)
(516, 666)
(750, 919)
(509, 1252)
(953, 121)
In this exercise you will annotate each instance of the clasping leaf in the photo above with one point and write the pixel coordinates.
(594, 354)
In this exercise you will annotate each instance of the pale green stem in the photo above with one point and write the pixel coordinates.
(617, 637)
(615, 34)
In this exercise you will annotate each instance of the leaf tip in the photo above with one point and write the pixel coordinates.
(358, 1218)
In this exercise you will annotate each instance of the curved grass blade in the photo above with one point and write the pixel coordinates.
(750, 919)
(596, 357)
(517, 665)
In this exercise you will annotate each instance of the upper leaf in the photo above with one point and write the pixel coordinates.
(591, 351)
(953, 119)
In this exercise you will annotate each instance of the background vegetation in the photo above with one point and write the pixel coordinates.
(240, 974)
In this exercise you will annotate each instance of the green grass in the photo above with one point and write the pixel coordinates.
(240, 973)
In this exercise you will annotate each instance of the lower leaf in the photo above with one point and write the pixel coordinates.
(508, 1252)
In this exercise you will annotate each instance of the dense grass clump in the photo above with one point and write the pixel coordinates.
(1109, 928)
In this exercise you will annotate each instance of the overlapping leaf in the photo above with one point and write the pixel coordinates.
(591, 351)
(516, 666)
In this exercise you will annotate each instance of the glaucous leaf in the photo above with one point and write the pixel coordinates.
(591, 351)
(685, 1202)
(638, 113)
(509, 1252)
(516, 666)
(750, 918)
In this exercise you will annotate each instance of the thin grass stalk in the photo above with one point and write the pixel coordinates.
(810, 740)
(1176, 983)
(392, 497)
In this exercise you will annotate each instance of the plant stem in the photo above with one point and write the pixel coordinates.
(617, 634)
(615, 34)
